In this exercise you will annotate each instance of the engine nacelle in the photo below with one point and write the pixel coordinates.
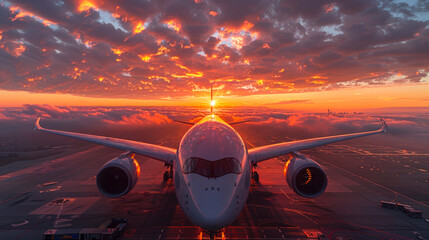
(118, 176)
(305, 176)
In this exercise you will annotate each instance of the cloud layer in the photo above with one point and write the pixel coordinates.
(173, 48)
(313, 123)
(147, 123)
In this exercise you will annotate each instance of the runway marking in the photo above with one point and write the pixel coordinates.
(57, 188)
(52, 179)
(44, 166)
(29, 229)
(367, 228)
(367, 153)
(301, 212)
(49, 183)
(280, 208)
(59, 214)
(20, 224)
(69, 206)
(16, 196)
(23, 171)
(377, 184)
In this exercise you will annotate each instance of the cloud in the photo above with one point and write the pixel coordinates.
(145, 49)
(290, 102)
(90, 115)
(142, 118)
(292, 125)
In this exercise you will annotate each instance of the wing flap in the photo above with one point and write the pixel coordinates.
(157, 152)
(259, 154)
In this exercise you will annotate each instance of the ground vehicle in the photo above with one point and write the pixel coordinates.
(113, 231)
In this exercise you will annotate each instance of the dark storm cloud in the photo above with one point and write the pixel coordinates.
(234, 13)
(210, 46)
(144, 49)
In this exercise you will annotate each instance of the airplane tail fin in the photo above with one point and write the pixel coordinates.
(211, 99)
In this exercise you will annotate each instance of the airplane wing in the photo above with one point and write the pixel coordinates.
(233, 123)
(157, 152)
(189, 123)
(259, 154)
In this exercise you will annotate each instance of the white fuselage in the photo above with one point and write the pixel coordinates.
(212, 201)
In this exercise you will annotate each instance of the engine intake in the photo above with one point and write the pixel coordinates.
(118, 176)
(305, 176)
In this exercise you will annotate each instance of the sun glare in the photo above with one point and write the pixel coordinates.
(212, 103)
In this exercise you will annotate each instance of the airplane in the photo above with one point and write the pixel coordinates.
(212, 168)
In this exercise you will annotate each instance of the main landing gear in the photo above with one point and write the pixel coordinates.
(169, 173)
(255, 175)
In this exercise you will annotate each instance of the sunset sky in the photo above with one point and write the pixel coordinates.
(292, 54)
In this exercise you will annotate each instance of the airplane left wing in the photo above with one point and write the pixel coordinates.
(259, 154)
(189, 123)
(157, 152)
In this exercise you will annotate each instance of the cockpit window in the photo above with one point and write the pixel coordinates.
(212, 169)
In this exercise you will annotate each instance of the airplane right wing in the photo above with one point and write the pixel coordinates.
(157, 152)
(259, 154)
(233, 123)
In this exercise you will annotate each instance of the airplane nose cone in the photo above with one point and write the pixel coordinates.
(212, 203)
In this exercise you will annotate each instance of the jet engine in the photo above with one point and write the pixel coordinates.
(118, 176)
(305, 176)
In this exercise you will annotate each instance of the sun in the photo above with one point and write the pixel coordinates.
(212, 103)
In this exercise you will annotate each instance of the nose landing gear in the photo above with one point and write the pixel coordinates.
(212, 234)
(255, 174)
(169, 173)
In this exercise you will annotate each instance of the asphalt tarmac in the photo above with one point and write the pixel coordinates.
(60, 192)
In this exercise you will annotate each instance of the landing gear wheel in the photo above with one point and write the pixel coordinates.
(166, 176)
(256, 176)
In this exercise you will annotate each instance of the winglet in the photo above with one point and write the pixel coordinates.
(384, 127)
(37, 125)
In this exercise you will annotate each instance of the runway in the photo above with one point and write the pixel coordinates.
(60, 192)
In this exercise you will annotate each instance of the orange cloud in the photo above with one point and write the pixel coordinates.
(85, 5)
(20, 13)
(141, 118)
(145, 58)
(138, 27)
(329, 7)
(237, 41)
(174, 25)
(247, 26)
(14, 48)
(209, 41)
(117, 51)
(213, 13)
